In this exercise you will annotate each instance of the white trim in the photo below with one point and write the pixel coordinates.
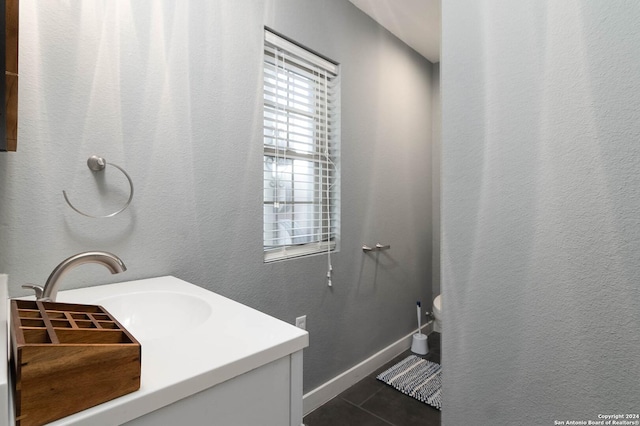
(323, 393)
(290, 252)
(302, 53)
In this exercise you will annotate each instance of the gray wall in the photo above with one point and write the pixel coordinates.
(540, 211)
(171, 91)
(436, 188)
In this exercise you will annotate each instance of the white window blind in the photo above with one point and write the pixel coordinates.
(301, 147)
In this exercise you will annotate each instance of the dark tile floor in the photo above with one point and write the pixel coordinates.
(373, 403)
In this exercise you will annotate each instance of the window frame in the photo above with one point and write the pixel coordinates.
(300, 65)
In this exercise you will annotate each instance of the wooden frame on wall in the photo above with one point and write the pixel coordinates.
(9, 15)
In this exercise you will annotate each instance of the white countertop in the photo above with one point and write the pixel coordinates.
(233, 340)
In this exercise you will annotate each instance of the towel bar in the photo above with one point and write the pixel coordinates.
(378, 247)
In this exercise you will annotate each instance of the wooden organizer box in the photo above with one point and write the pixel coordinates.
(67, 358)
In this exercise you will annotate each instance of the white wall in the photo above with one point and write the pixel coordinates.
(540, 211)
(171, 91)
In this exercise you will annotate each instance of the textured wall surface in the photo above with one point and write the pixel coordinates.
(172, 92)
(540, 211)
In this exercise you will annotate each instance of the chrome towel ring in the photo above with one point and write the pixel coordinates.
(97, 164)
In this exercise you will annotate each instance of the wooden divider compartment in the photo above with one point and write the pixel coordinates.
(67, 358)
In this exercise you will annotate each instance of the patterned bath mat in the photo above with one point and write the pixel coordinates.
(418, 378)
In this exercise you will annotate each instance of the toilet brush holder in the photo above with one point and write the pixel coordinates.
(419, 345)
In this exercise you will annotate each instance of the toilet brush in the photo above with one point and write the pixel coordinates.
(419, 344)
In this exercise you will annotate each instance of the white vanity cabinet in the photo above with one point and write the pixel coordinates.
(5, 407)
(206, 359)
(266, 396)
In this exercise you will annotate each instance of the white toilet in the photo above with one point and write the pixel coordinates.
(437, 312)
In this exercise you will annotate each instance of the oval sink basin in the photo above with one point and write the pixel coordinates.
(155, 314)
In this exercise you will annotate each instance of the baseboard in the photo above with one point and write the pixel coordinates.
(344, 381)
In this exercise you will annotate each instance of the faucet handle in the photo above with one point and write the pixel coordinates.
(38, 289)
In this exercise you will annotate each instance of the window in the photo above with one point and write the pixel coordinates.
(301, 147)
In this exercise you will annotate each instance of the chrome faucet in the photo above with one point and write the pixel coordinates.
(112, 262)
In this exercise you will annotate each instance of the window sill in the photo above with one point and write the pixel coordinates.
(292, 252)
